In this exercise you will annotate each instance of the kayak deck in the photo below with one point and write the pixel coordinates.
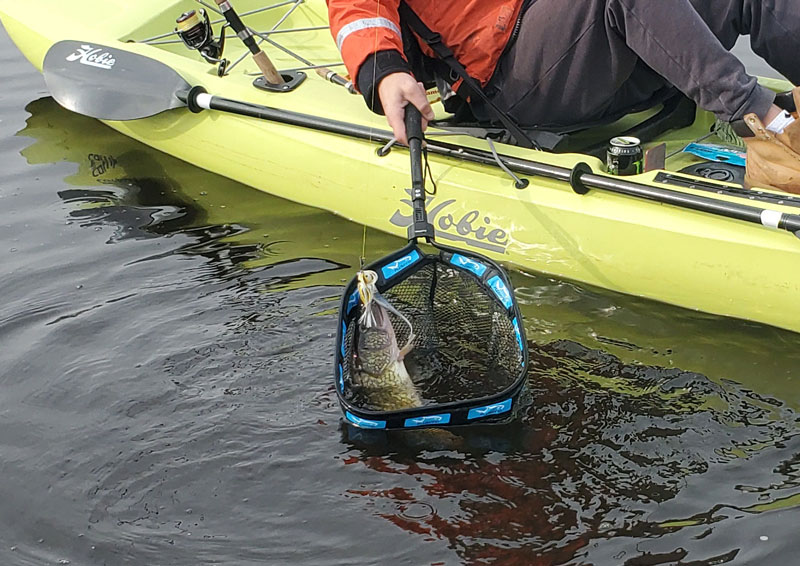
(683, 257)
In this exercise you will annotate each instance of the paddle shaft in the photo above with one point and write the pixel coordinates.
(580, 177)
(271, 74)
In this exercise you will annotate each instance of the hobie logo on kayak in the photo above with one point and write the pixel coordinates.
(92, 56)
(473, 227)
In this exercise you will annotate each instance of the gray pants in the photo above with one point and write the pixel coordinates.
(585, 59)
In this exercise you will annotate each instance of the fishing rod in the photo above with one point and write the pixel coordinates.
(136, 86)
(271, 74)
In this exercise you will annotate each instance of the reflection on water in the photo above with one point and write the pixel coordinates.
(150, 207)
(605, 454)
(143, 194)
(167, 396)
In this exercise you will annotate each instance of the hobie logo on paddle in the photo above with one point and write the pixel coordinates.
(93, 56)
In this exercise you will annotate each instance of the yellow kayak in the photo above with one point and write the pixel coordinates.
(665, 234)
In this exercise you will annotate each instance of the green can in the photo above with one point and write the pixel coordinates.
(625, 156)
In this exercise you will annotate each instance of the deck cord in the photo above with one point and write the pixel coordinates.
(518, 182)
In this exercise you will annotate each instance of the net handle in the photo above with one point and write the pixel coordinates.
(420, 227)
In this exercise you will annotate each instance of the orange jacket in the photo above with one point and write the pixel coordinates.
(476, 30)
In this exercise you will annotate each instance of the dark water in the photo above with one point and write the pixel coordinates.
(167, 396)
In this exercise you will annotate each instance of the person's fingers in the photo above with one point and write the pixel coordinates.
(392, 92)
(395, 116)
(422, 104)
(396, 91)
(414, 93)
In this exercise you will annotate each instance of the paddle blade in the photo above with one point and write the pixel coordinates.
(110, 83)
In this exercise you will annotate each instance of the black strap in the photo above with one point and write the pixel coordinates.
(445, 54)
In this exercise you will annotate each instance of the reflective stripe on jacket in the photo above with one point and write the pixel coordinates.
(476, 30)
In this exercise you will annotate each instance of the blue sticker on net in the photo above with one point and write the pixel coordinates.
(499, 287)
(352, 301)
(344, 337)
(469, 264)
(519, 336)
(364, 423)
(341, 379)
(488, 410)
(430, 420)
(400, 265)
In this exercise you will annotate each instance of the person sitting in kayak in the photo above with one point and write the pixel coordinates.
(549, 63)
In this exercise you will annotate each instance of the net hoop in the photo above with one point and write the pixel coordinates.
(393, 270)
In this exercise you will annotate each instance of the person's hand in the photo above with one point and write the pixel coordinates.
(396, 91)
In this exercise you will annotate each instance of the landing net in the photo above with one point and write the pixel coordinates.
(469, 354)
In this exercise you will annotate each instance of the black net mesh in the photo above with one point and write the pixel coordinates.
(465, 344)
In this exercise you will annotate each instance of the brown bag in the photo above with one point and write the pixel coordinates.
(773, 160)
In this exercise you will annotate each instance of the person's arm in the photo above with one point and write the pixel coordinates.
(367, 33)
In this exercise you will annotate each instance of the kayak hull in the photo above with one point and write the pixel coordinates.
(691, 259)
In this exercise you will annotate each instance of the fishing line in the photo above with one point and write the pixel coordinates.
(698, 140)
(362, 261)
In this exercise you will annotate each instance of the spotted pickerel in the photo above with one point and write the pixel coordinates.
(380, 372)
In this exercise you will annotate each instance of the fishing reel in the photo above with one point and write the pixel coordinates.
(196, 32)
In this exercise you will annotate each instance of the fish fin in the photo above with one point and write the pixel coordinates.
(405, 350)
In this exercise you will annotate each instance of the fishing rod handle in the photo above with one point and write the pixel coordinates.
(336, 78)
(271, 74)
